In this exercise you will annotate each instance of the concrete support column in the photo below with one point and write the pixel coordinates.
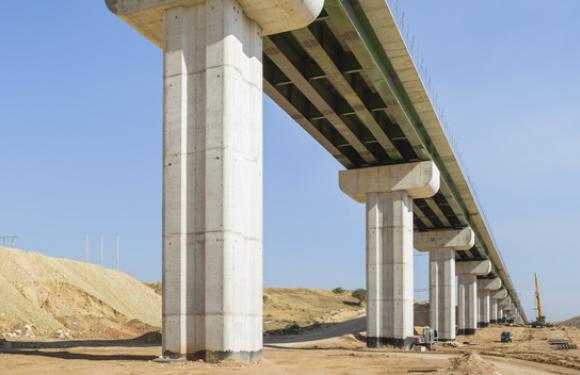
(442, 293)
(441, 245)
(493, 311)
(484, 313)
(388, 192)
(389, 268)
(467, 302)
(212, 165)
(485, 288)
(212, 187)
(495, 308)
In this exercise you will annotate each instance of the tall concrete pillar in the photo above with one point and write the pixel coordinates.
(388, 192)
(212, 165)
(212, 199)
(467, 273)
(495, 308)
(441, 245)
(485, 287)
(484, 313)
(493, 314)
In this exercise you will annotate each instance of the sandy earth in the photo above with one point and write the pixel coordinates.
(529, 344)
(338, 355)
(66, 299)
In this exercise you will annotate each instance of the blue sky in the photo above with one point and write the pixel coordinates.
(80, 143)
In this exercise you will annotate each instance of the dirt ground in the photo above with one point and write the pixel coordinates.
(529, 344)
(529, 354)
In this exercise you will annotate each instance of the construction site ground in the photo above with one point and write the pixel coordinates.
(483, 354)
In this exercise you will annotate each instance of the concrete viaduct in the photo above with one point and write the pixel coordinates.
(341, 70)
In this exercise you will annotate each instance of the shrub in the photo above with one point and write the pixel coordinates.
(292, 328)
(360, 295)
(338, 290)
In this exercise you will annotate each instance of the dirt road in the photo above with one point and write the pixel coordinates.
(309, 354)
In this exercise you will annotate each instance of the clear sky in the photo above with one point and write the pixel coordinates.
(80, 143)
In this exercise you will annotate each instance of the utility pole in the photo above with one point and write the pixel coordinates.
(102, 249)
(8, 240)
(117, 252)
(87, 258)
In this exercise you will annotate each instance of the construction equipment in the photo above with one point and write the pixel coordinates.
(563, 344)
(540, 321)
(428, 337)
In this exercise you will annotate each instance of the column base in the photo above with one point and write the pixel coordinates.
(482, 325)
(212, 356)
(378, 342)
(467, 332)
(445, 340)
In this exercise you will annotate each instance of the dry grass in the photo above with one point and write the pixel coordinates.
(307, 307)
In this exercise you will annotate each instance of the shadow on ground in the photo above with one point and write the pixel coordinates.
(146, 340)
(320, 332)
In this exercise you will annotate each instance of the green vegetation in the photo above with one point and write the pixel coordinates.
(360, 295)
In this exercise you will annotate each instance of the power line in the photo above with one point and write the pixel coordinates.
(102, 249)
(117, 252)
(8, 240)
(87, 257)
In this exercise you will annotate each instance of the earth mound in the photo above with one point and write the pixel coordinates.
(44, 297)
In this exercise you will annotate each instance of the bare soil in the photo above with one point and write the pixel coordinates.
(342, 355)
(45, 297)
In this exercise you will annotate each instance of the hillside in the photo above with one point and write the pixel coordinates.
(301, 307)
(60, 298)
(574, 322)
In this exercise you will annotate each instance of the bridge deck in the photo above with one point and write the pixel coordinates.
(350, 82)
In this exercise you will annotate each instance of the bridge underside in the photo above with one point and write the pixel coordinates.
(350, 82)
(334, 86)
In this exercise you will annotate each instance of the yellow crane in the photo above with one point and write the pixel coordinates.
(540, 318)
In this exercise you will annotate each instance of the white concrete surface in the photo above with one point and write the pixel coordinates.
(477, 268)
(418, 180)
(500, 294)
(489, 284)
(434, 240)
(388, 193)
(442, 293)
(493, 310)
(467, 304)
(442, 245)
(273, 17)
(483, 301)
(468, 301)
(212, 198)
(389, 266)
(212, 178)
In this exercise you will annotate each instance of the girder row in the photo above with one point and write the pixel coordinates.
(323, 87)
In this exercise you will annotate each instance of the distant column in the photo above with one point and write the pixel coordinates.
(485, 287)
(467, 304)
(495, 308)
(388, 192)
(493, 316)
(484, 313)
(442, 245)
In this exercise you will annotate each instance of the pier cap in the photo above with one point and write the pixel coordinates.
(273, 16)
